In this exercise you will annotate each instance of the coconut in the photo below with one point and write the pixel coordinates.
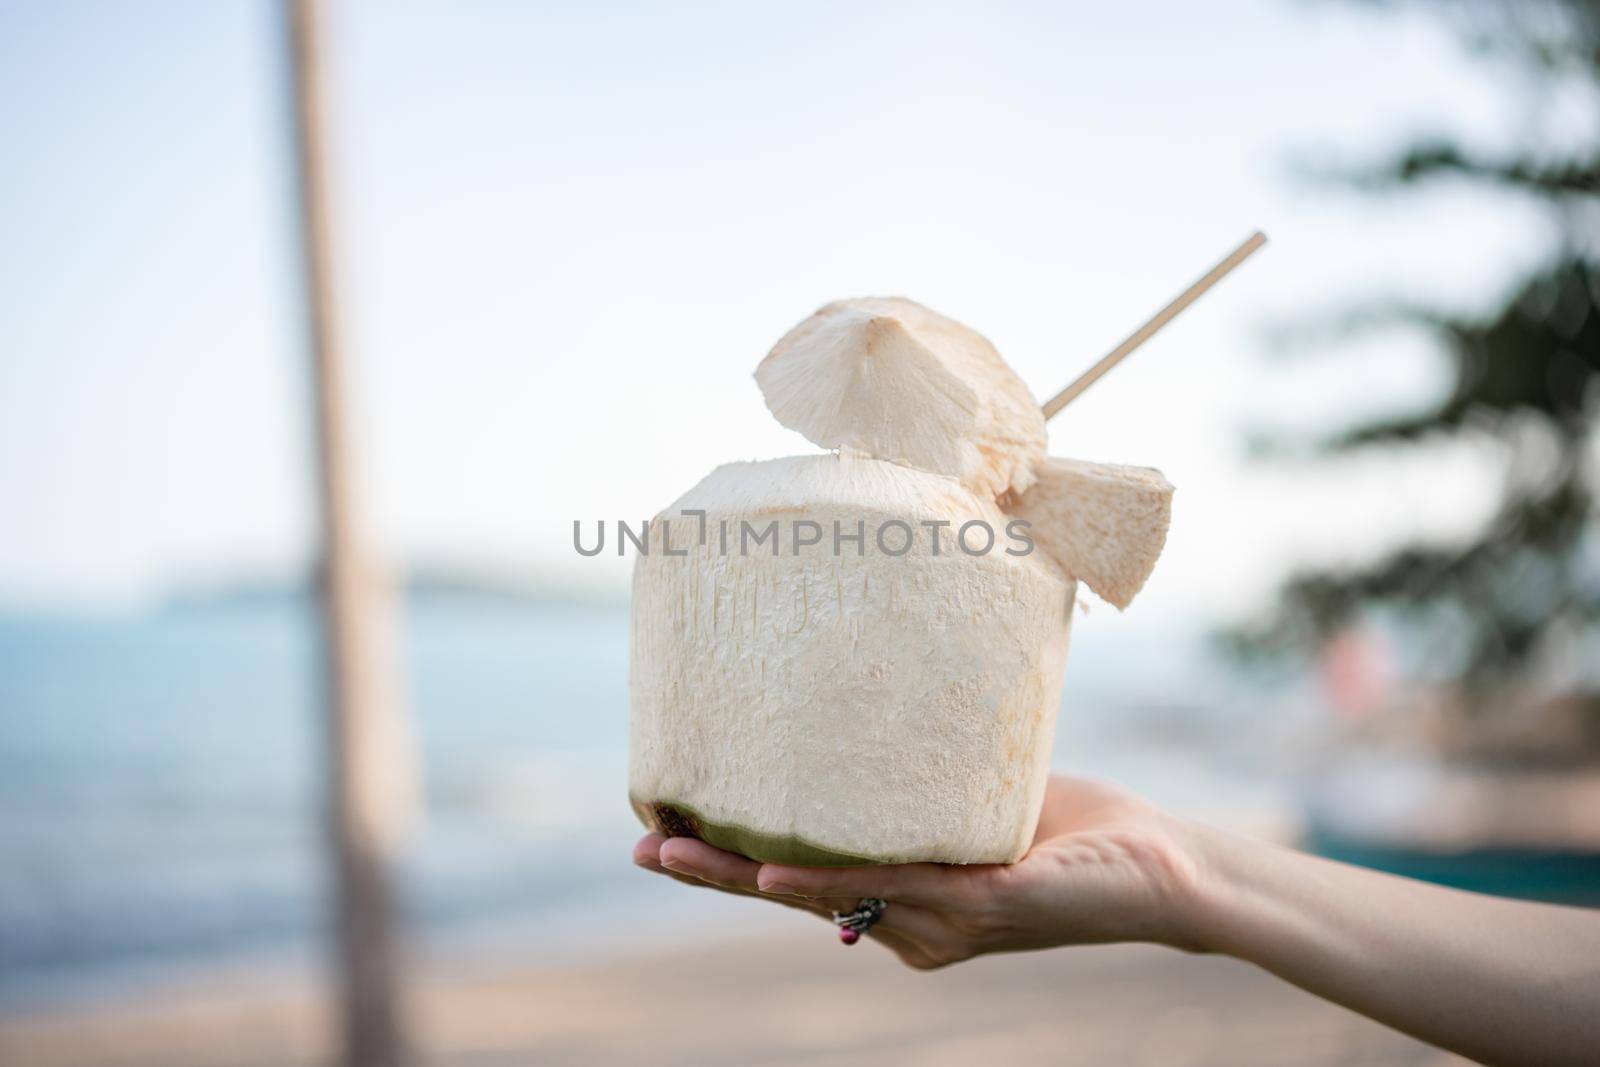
(804, 695)
(857, 658)
(1103, 524)
(888, 378)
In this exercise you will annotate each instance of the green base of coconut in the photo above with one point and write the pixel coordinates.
(673, 819)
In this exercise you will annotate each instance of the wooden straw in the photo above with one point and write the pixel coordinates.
(1148, 330)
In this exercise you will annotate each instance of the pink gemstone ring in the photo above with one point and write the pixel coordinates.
(852, 924)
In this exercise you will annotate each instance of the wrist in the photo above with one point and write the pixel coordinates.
(1246, 898)
(1202, 888)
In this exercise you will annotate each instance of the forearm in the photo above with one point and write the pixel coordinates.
(1504, 982)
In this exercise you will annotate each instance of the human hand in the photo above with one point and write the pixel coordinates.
(1104, 866)
(1499, 981)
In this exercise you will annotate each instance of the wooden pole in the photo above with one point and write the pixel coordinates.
(361, 815)
(1158, 320)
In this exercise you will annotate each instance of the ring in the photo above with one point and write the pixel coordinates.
(852, 924)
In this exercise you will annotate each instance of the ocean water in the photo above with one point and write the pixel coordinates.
(159, 773)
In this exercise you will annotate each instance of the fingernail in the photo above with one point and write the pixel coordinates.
(776, 887)
(679, 866)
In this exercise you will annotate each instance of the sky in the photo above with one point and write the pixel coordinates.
(567, 234)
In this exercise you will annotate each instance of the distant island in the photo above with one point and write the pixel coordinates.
(421, 584)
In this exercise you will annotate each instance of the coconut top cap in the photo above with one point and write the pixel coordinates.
(888, 378)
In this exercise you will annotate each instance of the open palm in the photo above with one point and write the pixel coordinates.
(1104, 866)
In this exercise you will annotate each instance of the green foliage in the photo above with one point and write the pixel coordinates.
(1526, 372)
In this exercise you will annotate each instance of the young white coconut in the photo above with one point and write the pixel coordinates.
(825, 670)
(1103, 524)
(824, 700)
(888, 378)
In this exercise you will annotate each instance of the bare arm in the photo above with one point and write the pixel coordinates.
(1505, 982)
(1500, 981)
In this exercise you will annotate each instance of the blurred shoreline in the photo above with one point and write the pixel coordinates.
(163, 904)
(167, 824)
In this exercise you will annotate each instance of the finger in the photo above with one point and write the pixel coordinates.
(915, 924)
(906, 926)
(697, 864)
(729, 870)
(913, 935)
(811, 907)
(647, 854)
(910, 952)
(647, 851)
(688, 855)
(928, 885)
(712, 866)
(689, 859)
(909, 930)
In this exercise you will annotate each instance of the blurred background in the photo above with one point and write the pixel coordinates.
(565, 236)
